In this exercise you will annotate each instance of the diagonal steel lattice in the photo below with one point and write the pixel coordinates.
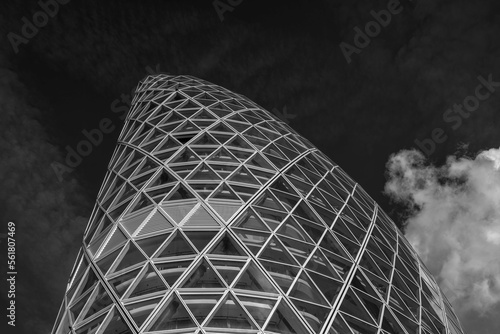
(216, 217)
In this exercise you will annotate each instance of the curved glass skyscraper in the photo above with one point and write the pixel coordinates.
(216, 217)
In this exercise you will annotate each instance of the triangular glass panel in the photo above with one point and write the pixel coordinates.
(116, 324)
(201, 218)
(141, 203)
(200, 239)
(244, 192)
(203, 123)
(173, 316)
(223, 170)
(262, 176)
(204, 114)
(240, 154)
(305, 289)
(284, 321)
(259, 308)
(253, 239)
(228, 269)
(254, 280)
(150, 282)
(272, 150)
(201, 305)
(282, 185)
(327, 216)
(259, 161)
(181, 193)
(205, 139)
(221, 137)
(397, 303)
(303, 187)
(339, 326)
(164, 155)
(166, 144)
(100, 301)
(203, 173)
(358, 326)
(162, 178)
(175, 117)
(279, 163)
(132, 222)
(272, 218)
(90, 327)
(276, 252)
(156, 223)
(230, 314)
(150, 245)
(267, 200)
(119, 210)
(225, 209)
(351, 304)
(224, 192)
(290, 228)
(303, 210)
(313, 230)
(300, 250)
(105, 263)
(204, 276)
(286, 199)
(171, 271)
(190, 104)
(348, 244)
(289, 152)
(250, 220)
(117, 238)
(186, 127)
(140, 311)
(121, 283)
(153, 139)
(227, 246)
(223, 155)
(244, 176)
(221, 127)
(237, 117)
(390, 324)
(251, 117)
(184, 156)
(176, 246)
(204, 151)
(410, 326)
(256, 138)
(331, 244)
(127, 192)
(239, 142)
(329, 287)
(132, 256)
(319, 263)
(314, 314)
(203, 189)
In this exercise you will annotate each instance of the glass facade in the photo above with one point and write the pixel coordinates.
(216, 217)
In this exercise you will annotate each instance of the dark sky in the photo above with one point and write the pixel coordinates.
(284, 55)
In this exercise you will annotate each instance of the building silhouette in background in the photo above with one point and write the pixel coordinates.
(216, 217)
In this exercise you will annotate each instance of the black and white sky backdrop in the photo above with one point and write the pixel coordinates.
(405, 108)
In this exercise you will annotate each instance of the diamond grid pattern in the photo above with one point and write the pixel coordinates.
(215, 217)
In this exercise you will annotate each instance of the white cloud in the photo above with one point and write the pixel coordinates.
(454, 223)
